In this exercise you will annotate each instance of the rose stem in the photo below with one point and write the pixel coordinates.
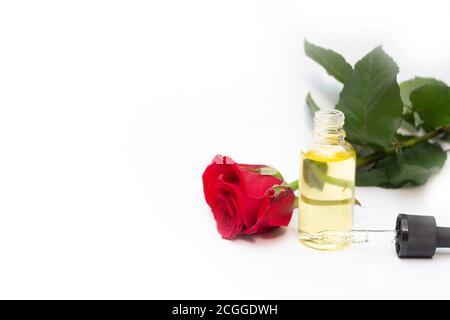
(401, 145)
(293, 185)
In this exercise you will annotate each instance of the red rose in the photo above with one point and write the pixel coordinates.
(246, 199)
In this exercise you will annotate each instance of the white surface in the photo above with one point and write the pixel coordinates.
(111, 110)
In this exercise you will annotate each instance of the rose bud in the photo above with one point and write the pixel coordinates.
(246, 199)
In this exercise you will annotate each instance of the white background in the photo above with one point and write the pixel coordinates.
(111, 110)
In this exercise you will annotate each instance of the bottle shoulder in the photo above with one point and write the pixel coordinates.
(348, 146)
(330, 152)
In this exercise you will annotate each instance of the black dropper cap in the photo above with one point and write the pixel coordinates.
(418, 236)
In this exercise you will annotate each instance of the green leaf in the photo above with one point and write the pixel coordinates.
(312, 171)
(408, 86)
(432, 103)
(333, 62)
(312, 105)
(362, 151)
(412, 166)
(371, 101)
(408, 120)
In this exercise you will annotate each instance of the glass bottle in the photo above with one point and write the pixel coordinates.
(327, 181)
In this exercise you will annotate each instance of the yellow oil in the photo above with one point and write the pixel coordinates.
(327, 193)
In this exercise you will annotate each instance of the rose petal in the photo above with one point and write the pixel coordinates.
(248, 208)
(211, 174)
(254, 184)
(276, 211)
(228, 222)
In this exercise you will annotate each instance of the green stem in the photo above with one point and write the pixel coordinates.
(401, 145)
(296, 202)
(293, 185)
(321, 175)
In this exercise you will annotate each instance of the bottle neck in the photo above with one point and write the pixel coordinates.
(329, 136)
(328, 127)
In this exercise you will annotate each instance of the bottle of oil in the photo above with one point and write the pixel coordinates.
(327, 181)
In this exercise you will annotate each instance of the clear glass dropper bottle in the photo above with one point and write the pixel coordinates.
(327, 175)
